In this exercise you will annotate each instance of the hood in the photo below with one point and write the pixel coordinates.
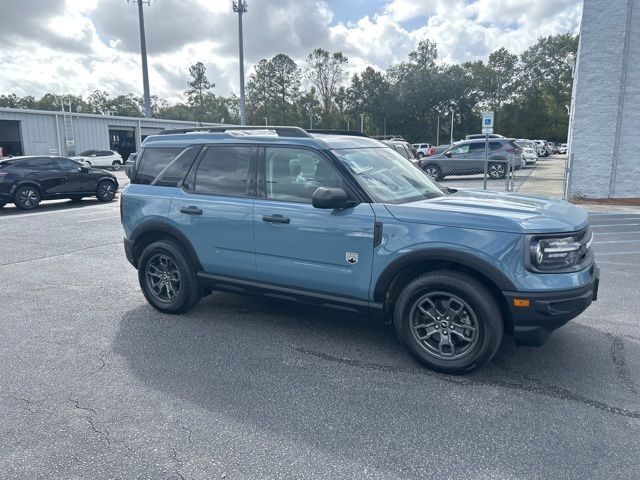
(503, 212)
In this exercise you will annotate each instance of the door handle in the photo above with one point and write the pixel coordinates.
(191, 210)
(276, 219)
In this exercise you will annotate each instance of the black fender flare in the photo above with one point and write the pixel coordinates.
(162, 228)
(24, 183)
(464, 259)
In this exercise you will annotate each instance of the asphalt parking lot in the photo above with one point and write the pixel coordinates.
(97, 384)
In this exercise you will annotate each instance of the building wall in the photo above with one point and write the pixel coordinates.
(39, 135)
(606, 105)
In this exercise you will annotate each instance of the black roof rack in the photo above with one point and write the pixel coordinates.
(354, 133)
(280, 131)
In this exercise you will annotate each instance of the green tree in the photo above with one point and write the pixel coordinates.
(326, 71)
(199, 88)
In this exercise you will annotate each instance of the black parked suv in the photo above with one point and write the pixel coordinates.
(25, 181)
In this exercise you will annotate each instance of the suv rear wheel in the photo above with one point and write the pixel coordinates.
(167, 278)
(116, 165)
(27, 198)
(450, 321)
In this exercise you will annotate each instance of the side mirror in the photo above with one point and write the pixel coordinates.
(447, 154)
(331, 198)
(84, 168)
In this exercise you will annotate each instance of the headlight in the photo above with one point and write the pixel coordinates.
(549, 253)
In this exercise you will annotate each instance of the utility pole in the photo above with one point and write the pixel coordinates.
(240, 7)
(452, 112)
(362, 122)
(438, 132)
(143, 52)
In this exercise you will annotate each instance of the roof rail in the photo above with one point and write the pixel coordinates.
(328, 131)
(280, 131)
(389, 137)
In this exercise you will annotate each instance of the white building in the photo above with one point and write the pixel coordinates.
(604, 153)
(37, 132)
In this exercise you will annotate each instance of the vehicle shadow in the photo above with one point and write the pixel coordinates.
(298, 371)
(53, 206)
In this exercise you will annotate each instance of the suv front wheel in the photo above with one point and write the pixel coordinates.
(167, 278)
(450, 321)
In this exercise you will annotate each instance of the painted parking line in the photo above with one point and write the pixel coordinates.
(596, 242)
(632, 252)
(616, 225)
(55, 212)
(98, 219)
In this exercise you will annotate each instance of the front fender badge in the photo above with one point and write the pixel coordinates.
(352, 258)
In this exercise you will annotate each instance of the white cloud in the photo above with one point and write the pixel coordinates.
(82, 45)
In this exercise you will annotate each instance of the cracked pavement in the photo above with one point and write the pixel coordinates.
(96, 384)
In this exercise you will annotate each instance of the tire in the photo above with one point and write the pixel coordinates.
(429, 336)
(497, 170)
(106, 191)
(76, 198)
(434, 171)
(179, 295)
(27, 197)
(116, 165)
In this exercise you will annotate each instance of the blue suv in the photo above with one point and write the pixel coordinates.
(346, 222)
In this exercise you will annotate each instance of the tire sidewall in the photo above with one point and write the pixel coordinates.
(116, 166)
(188, 294)
(21, 206)
(480, 300)
(101, 182)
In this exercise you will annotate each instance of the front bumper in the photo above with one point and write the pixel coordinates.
(549, 310)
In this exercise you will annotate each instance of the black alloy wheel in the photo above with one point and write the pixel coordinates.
(167, 277)
(449, 320)
(27, 198)
(106, 191)
(116, 165)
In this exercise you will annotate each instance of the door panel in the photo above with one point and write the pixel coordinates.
(217, 213)
(303, 247)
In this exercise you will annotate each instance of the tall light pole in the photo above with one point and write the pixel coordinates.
(362, 122)
(240, 7)
(452, 113)
(266, 121)
(438, 131)
(143, 52)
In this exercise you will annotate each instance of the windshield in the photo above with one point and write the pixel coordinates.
(387, 176)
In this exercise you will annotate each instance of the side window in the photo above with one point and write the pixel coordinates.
(476, 148)
(493, 146)
(67, 165)
(173, 173)
(224, 171)
(293, 174)
(152, 162)
(104, 153)
(40, 164)
(462, 149)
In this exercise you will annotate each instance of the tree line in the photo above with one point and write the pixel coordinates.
(529, 93)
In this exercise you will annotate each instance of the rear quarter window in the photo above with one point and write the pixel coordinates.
(152, 162)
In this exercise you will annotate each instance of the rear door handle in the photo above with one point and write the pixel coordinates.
(191, 210)
(276, 219)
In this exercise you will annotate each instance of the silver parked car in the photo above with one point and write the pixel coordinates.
(468, 158)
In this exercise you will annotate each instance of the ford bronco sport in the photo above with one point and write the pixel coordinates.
(346, 222)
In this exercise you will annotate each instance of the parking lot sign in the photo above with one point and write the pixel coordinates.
(487, 122)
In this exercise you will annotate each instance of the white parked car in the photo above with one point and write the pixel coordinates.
(562, 149)
(101, 158)
(529, 151)
(423, 149)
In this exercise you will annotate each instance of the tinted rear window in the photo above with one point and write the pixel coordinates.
(154, 161)
(175, 171)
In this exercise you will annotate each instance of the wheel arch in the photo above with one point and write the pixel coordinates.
(26, 183)
(408, 267)
(153, 231)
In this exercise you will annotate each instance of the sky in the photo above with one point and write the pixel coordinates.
(77, 46)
